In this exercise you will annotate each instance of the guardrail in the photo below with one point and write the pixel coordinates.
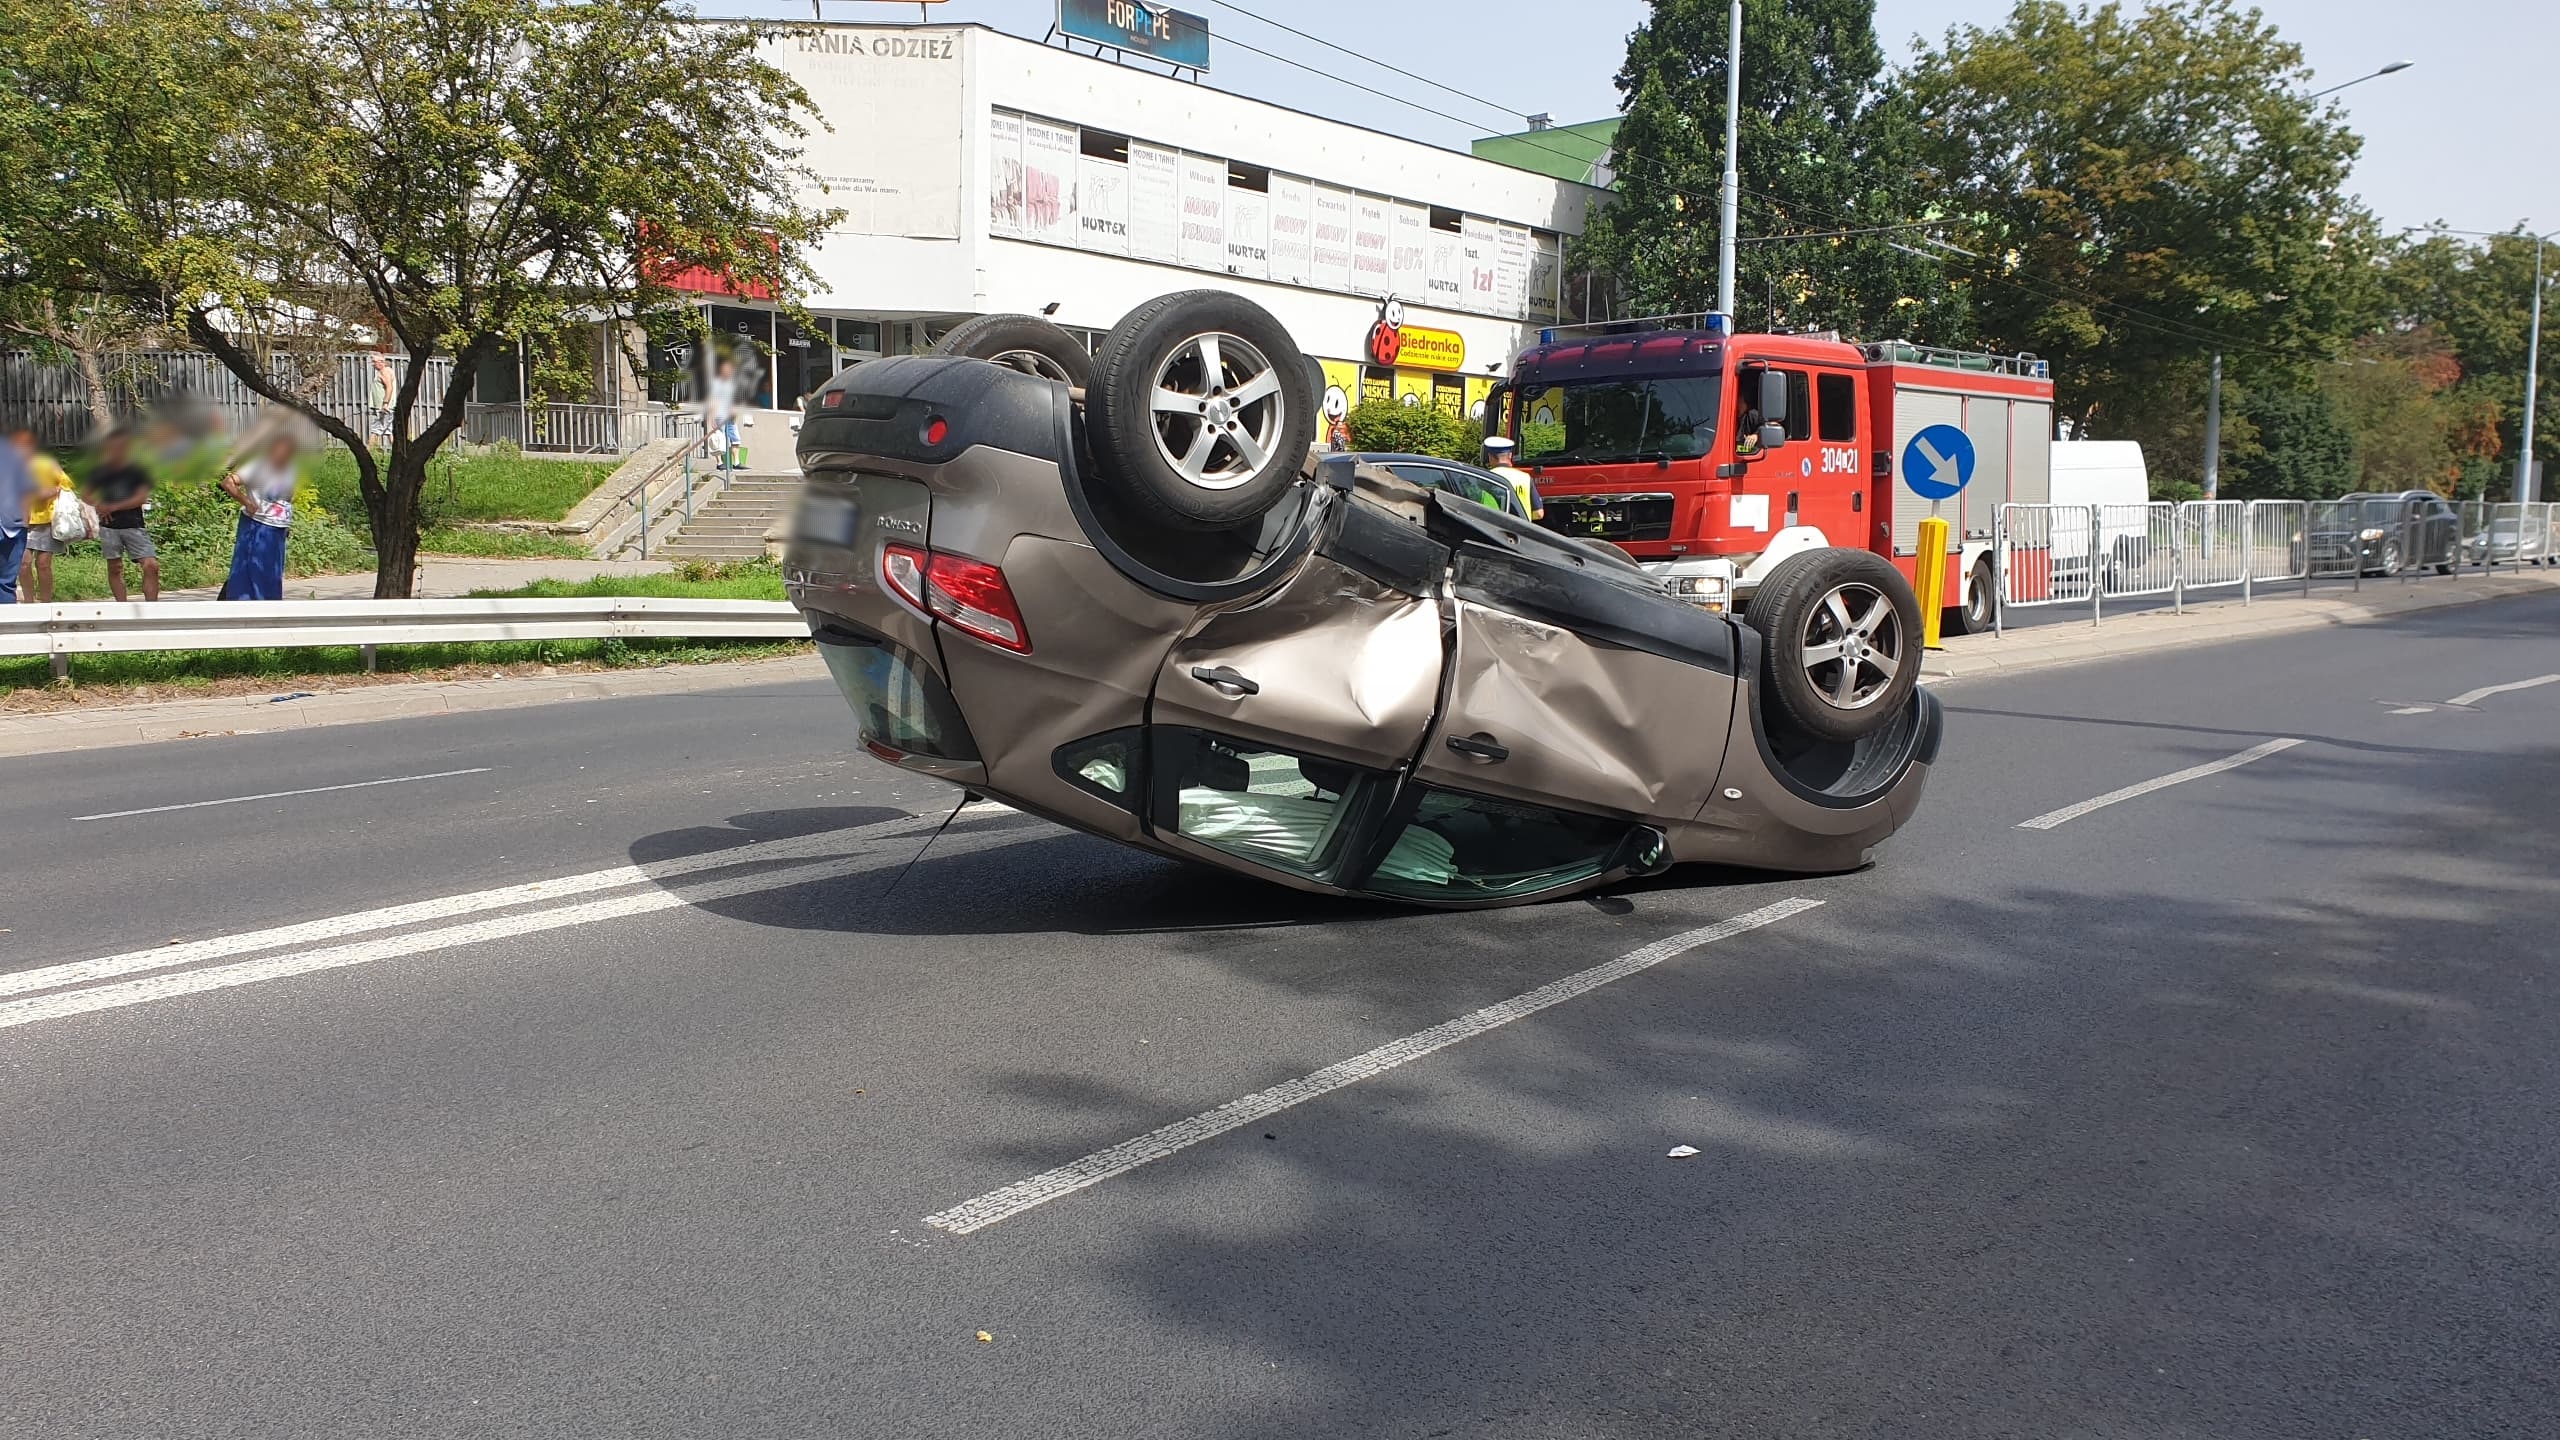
(2089, 554)
(62, 631)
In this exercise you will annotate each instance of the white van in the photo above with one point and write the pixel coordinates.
(2100, 472)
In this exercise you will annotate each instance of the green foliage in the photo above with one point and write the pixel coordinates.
(2299, 447)
(495, 486)
(697, 580)
(492, 544)
(1415, 430)
(2142, 189)
(2473, 298)
(1823, 145)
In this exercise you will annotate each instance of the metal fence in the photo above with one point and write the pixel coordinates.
(52, 398)
(2089, 554)
(573, 429)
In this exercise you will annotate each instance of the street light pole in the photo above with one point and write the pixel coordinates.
(2394, 68)
(2532, 380)
(2213, 432)
(1732, 197)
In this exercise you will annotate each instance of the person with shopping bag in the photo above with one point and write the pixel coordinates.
(263, 489)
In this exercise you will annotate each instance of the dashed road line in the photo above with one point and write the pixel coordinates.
(2474, 697)
(284, 794)
(2067, 813)
(973, 1215)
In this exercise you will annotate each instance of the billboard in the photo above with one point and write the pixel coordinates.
(891, 159)
(1158, 32)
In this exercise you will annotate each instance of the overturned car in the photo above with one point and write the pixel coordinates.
(1123, 592)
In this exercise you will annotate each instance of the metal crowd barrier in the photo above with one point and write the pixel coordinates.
(2087, 554)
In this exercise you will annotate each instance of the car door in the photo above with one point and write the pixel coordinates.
(1568, 689)
(1279, 728)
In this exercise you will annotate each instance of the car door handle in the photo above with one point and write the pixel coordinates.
(1225, 679)
(1480, 747)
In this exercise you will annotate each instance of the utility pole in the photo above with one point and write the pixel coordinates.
(2213, 431)
(1732, 163)
(2532, 381)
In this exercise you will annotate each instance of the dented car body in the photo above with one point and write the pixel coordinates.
(1376, 689)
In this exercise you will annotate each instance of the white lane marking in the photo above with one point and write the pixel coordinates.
(974, 1215)
(283, 794)
(2474, 697)
(505, 927)
(2052, 818)
(2414, 710)
(337, 927)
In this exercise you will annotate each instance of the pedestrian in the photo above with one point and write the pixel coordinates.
(263, 489)
(720, 408)
(44, 474)
(384, 384)
(16, 489)
(120, 491)
(1497, 452)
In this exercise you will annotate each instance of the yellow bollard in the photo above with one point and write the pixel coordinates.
(1932, 583)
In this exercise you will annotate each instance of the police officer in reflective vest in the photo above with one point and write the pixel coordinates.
(1497, 453)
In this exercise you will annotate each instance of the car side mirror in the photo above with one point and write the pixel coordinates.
(1645, 851)
(1773, 399)
(1772, 435)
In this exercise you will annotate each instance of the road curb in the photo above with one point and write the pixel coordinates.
(109, 726)
(2022, 651)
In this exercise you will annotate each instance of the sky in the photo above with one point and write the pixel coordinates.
(2465, 136)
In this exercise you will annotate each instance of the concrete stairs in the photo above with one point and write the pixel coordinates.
(732, 525)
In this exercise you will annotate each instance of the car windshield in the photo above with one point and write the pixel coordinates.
(1596, 422)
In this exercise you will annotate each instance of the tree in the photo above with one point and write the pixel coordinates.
(455, 175)
(2473, 299)
(1823, 147)
(2297, 446)
(2141, 191)
(107, 130)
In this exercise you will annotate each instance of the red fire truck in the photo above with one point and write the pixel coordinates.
(1711, 456)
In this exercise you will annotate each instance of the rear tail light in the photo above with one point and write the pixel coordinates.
(970, 595)
(973, 596)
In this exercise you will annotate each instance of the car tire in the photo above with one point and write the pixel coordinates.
(1226, 462)
(2390, 559)
(1025, 342)
(1974, 615)
(1836, 695)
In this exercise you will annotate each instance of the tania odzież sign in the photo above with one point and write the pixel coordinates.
(1158, 32)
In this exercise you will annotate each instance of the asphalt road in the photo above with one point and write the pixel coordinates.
(2226, 1109)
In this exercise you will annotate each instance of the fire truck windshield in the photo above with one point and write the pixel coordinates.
(1602, 422)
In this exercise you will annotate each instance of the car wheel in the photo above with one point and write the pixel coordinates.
(1840, 641)
(1025, 342)
(1974, 616)
(2390, 558)
(1199, 413)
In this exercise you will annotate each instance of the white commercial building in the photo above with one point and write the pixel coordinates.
(979, 172)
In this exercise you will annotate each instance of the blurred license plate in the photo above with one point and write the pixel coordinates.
(828, 519)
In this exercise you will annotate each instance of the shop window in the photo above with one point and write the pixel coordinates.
(858, 335)
(1445, 219)
(1449, 394)
(1838, 395)
(1103, 145)
(1377, 382)
(1248, 177)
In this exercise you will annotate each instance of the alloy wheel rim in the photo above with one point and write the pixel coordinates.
(1853, 646)
(1218, 410)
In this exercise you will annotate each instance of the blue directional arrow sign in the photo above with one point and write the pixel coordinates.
(1938, 462)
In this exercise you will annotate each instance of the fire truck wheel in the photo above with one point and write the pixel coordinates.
(1025, 342)
(1840, 642)
(1200, 412)
(1973, 616)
